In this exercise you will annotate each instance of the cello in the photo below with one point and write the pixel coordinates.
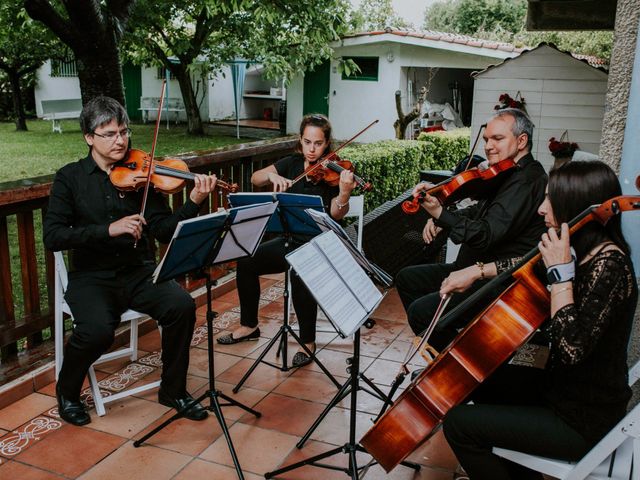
(478, 350)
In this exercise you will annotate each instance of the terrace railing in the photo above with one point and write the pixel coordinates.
(27, 291)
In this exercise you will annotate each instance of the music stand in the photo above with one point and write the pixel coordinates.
(197, 244)
(327, 256)
(291, 218)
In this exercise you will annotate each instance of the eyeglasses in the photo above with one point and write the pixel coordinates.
(124, 133)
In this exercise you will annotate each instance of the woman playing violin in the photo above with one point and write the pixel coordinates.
(565, 409)
(315, 142)
(100, 225)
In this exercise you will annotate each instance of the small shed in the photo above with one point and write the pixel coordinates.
(562, 93)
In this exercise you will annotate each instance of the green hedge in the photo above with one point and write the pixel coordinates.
(393, 166)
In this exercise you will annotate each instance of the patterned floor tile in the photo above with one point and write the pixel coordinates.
(25, 409)
(17, 441)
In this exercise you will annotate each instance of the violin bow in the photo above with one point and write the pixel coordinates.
(422, 345)
(330, 155)
(475, 144)
(147, 183)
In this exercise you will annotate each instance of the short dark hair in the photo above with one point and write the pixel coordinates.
(101, 110)
(522, 123)
(320, 121)
(573, 188)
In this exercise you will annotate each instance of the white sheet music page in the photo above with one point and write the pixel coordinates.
(248, 226)
(333, 276)
(347, 267)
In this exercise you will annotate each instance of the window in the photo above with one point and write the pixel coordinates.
(160, 73)
(64, 68)
(368, 69)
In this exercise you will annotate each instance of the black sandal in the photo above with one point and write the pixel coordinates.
(300, 359)
(229, 339)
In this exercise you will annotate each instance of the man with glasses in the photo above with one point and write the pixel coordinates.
(111, 261)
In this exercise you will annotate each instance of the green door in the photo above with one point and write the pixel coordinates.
(316, 90)
(132, 79)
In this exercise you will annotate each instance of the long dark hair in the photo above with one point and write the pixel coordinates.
(320, 121)
(575, 186)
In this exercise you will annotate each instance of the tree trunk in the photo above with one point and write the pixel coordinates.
(18, 105)
(401, 123)
(100, 74)
(194, 122)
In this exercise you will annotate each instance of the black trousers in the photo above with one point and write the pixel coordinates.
(508, 413)
(419, 286)
(269, 258)
(97, 300)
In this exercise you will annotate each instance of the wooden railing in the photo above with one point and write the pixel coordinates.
(22, 206)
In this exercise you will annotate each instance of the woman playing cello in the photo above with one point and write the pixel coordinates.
(565, 409)
(315, 142)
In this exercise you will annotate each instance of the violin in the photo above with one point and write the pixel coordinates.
(476, 352)
(329, 167)
(167, 176)
(329, 172)
(473, 183)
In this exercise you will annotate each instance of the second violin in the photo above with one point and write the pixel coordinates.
(167, 176)
(474, 183)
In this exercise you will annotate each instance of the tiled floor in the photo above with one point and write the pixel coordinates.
(36, 444)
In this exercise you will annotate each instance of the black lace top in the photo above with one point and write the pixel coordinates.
(588, 372)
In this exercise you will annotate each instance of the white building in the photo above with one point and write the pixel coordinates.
(390, 60)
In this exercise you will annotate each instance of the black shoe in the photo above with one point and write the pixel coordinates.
(72, 412)
(300, 359)
(197, 412)
(228, 339)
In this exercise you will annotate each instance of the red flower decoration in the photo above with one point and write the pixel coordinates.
(562, 149)
(507, 102)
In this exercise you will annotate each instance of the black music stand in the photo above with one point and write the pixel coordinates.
(291, 218)
(360, 300)
(196, 245)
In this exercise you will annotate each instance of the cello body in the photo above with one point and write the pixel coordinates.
(476, 353)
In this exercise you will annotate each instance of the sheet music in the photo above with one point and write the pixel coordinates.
(326, 223)
(341, 288)
(246, 234)
(214, 238)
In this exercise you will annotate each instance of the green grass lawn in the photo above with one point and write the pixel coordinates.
(39, 151)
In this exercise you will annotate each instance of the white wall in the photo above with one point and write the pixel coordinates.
(354, 104)
(561, 93)
(54, 88)
(151, 88)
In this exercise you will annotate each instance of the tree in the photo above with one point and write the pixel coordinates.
(504, 20)
(24, 46)
(93, 31)
(403, 120)
(287, 37)
(376, 15)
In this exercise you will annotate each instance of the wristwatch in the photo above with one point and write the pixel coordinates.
(562, 272)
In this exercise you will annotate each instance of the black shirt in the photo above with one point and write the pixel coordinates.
(292, 166)
(507, 224)
(83, 203)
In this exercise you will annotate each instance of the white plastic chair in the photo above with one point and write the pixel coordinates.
(131, 351)
(612, 458)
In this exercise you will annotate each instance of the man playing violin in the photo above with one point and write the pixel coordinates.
(502, 226)
(315, 142)
(111, 261)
